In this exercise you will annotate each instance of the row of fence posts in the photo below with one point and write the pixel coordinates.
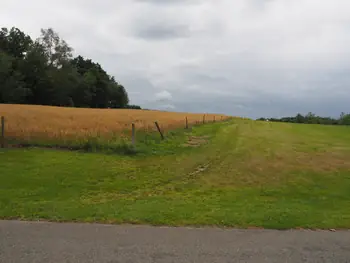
(133, 130)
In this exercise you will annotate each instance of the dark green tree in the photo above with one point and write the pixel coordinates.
(44, 72)
(14, 42)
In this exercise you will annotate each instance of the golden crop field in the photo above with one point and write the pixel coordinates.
(31, 122)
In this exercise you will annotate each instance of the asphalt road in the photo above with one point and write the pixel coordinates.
(51, 242)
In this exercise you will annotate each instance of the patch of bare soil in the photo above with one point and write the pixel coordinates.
(196, 141)
(200, 169)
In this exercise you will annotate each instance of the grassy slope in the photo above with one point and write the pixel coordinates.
(249, 174)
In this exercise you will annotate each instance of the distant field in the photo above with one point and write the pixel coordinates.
(65, 126)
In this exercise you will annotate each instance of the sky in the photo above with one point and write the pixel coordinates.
(249, 58)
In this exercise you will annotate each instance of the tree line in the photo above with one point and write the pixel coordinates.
(311, 118)
(44, 72)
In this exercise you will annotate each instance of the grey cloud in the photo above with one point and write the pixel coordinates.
(142, 86)
(162, 31)
(260, 4)
(164, 2)
(167, 107)
(246, 57)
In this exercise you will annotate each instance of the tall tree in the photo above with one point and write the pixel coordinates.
(57, 50)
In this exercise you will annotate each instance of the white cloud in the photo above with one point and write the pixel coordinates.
(163, 96)
(208, 54)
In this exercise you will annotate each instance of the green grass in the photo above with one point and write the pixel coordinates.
(244, 174)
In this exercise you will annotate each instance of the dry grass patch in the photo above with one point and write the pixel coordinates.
(260, 154)
(315, 162)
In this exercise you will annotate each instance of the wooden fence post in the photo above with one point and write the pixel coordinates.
(186, 123)
(214, 118)
(133, 134)
(203, 119)
(2, 131)
(160, 131)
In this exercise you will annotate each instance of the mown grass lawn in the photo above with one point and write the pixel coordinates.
(246, 174)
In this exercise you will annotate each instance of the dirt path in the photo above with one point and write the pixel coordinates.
(52, 242)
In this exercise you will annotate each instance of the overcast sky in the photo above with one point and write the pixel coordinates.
(240, 57)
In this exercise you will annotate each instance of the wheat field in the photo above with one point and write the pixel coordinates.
(31, 122)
